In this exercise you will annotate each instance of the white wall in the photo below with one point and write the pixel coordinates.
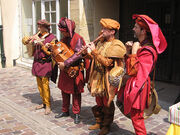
(11, 25)
(0, 15)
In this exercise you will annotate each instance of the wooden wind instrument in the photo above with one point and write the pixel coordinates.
(81, 51)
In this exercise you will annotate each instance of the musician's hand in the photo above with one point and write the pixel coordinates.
(129, 43)
(91, 46)
(30, 41)
(61, 65)
(36, 42)
(48, 45)
(128, 46)
(35, 37)
(84, 48)
(135, 47)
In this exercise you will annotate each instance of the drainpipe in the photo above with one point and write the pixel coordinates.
(3, 58)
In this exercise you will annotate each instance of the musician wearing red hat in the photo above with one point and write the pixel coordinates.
(71, 85)
(42, 66)
(141, 60)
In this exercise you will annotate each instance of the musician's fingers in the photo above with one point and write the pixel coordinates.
(88, 45)
(83, 47)
(135, 47)
(85, 51)
(47, 45)
(129, 43)
(91, 46)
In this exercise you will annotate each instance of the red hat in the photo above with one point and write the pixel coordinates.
(142, 24)
(44, 23)
(66, 25)
(158, 38)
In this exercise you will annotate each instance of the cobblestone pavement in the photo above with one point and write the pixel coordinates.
(9, 124)
(19, 96)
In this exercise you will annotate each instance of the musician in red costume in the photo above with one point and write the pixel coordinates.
(139, 64)
(67, 84)
(42, 67)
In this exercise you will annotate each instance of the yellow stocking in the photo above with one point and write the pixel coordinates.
(46, 90)
(40, 88)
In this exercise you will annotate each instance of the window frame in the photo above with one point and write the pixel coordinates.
(43, 12)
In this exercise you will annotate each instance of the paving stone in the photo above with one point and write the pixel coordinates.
(5, 130)
(19, 86)
(17, 132)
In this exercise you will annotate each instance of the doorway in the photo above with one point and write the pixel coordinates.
(165, 13)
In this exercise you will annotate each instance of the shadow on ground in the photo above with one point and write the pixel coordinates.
(115, 130)
(36, 99)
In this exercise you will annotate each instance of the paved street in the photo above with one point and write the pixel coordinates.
(19, 96)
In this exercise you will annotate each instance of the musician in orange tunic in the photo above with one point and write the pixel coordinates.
(107, 52)
(69, 85)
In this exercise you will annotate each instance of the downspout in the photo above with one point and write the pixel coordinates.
(3, 57)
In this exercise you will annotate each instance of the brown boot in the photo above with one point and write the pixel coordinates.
(48, 110)
(97, 111)
(108, 119)
(104, 131)
(95, 126)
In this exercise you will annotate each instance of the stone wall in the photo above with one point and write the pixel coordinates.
(87, 14)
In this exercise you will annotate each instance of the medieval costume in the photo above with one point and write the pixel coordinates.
(135, 94)
(71, 85)
(42, 64)
(105, 55)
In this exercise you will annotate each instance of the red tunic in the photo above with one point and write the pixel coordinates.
(66, 83)
(136, 91)
(42, 69)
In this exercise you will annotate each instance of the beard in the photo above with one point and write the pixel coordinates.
(135, 35)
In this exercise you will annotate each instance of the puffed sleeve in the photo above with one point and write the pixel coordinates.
(75, 56)
(101, 59)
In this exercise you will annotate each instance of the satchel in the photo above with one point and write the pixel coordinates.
(73, 72)
(153, 106)
(116, 74)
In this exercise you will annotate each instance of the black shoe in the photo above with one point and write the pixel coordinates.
(63, 114)
(77, 119)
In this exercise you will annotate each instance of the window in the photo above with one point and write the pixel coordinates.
(34, 10)
(49, 10)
